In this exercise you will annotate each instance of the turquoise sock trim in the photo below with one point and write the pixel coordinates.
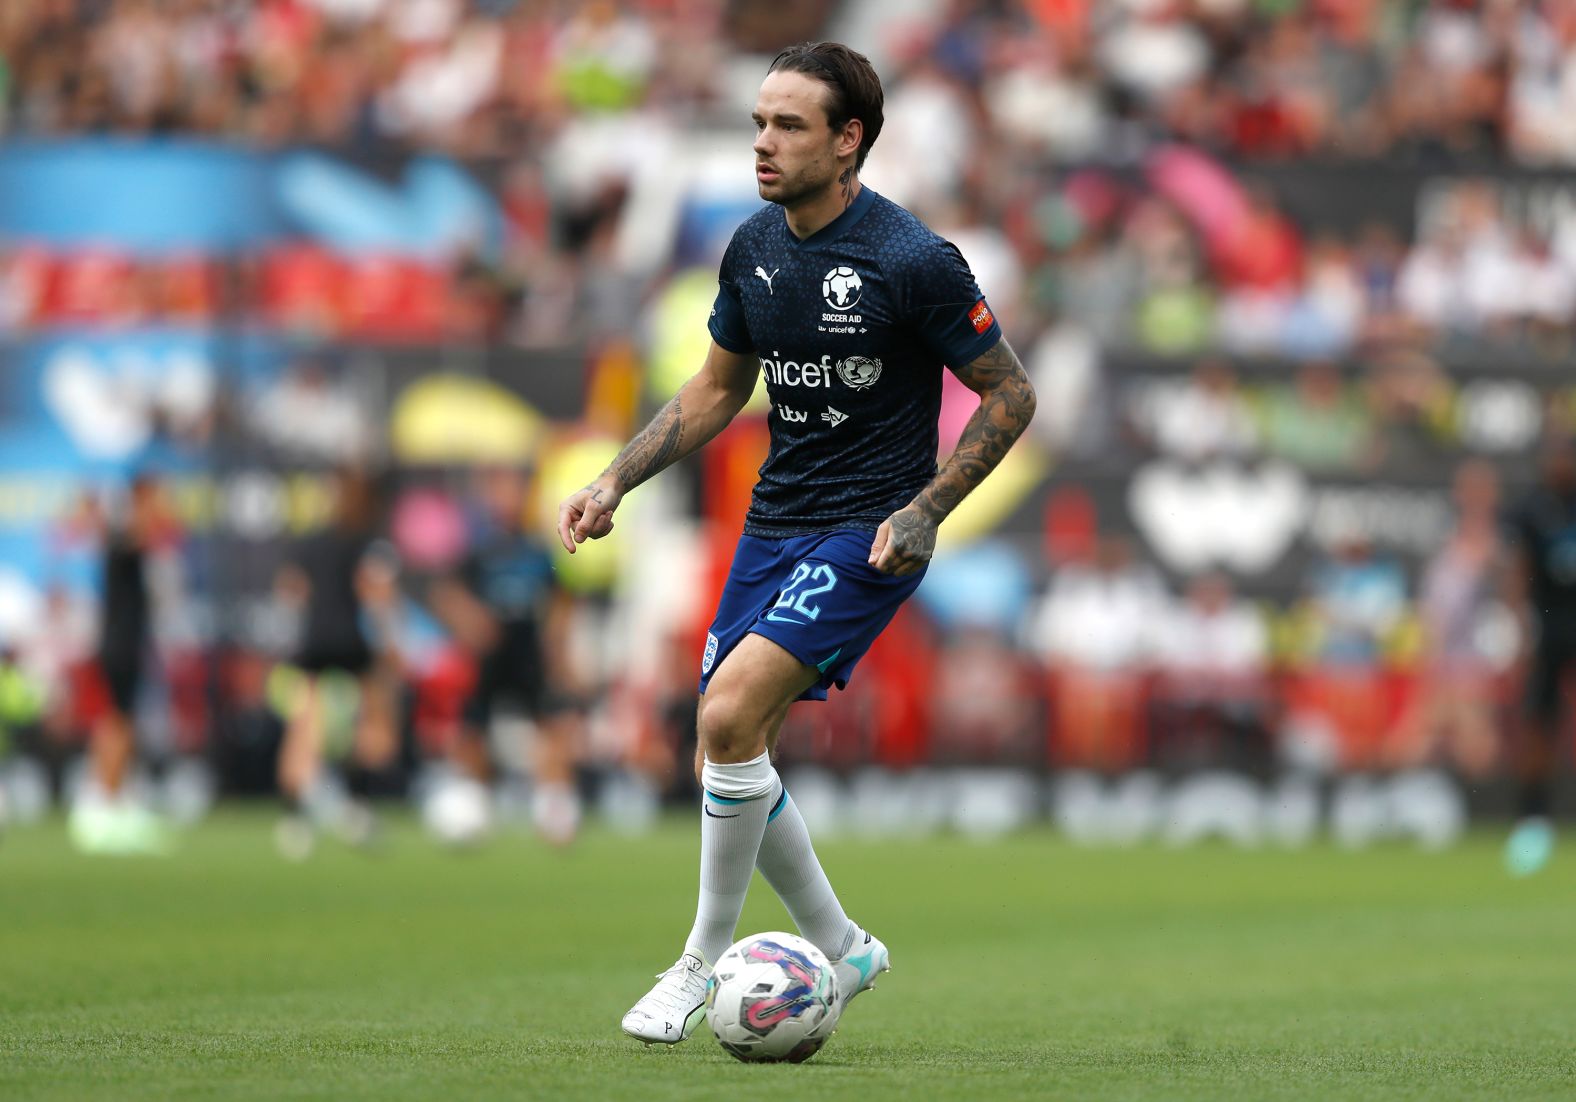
(782, 802)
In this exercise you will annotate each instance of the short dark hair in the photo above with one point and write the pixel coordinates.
(849, 76)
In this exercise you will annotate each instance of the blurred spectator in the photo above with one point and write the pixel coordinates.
(1097, 630)
(1543, 583)
(1326, 317)
(21, 704)
(1376, 261)
(1100, 615)
(1320, 424)
(1340, 706)
(1064, 365)
(1047, 99)
(1152, 53)
(1452, 717)
(1542, 99)
(108, 817)
(1212, 696)
(1357, 601)
(984, 702)
(1432, 286)
(1410, 399)
(1206, 417)
(1175, 310)
(1214, 638)
(1545, 302)
(59, 657)
(506, 608)
(340, 710)
(929, 120)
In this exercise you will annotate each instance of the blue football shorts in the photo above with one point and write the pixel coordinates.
(816, 596)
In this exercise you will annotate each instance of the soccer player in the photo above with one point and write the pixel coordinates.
(1543, 585)
(332, 579)
(504, 606)
(850, 307)
(106, 818)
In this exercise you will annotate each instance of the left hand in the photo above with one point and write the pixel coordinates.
(904, 543)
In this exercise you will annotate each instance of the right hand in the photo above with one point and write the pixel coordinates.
(588, 514)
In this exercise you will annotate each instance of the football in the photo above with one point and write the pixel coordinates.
(458, 812)
(772, 999)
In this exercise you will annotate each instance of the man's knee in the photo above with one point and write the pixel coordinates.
(731, 728)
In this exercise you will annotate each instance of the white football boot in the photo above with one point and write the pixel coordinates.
(858, 968)
(672, 1009)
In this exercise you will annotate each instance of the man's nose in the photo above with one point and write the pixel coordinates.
(763, 144)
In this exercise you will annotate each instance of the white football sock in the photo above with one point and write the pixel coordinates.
(734, 808)
(787, 860)
(555, 812)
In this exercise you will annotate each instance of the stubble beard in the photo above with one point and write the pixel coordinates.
(791, 192)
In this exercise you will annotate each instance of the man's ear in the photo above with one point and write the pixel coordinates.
(848, 140)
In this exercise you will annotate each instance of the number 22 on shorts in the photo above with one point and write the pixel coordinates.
(796, 598)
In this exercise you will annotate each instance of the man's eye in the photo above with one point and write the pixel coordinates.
(788, 126)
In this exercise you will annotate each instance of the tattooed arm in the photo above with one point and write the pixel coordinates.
(906, 539)
(699, 411)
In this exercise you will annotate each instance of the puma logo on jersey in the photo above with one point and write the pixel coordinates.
(768, 278)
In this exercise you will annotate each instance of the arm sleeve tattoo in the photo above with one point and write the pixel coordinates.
(1006, 405)
(656, 446)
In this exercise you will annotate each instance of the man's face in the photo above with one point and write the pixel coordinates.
(795, 146)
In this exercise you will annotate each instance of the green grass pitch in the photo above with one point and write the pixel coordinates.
(1023, 969)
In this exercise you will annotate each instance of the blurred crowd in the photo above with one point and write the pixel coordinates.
(421, 627)
(1107, 169)
(482, 78)
(1074, 78)
(1094, 160)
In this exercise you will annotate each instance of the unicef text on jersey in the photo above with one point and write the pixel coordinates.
(857, 372)
(793, 373)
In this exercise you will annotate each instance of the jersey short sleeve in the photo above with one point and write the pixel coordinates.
(946, 306)
(727, 311)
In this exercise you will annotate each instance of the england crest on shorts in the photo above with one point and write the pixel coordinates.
(711, 653)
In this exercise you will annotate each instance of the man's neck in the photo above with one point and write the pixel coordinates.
(814, 215)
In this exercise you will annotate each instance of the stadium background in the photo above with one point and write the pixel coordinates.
(1296, 283)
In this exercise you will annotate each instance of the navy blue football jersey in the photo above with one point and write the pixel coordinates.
(853, 327)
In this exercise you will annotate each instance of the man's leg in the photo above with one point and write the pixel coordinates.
(787, 859)
(751, 687)
(788, 862)
(1531, 842)
(744, 703)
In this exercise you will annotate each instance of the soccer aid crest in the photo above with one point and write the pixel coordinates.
(859, 372)
(841, 288)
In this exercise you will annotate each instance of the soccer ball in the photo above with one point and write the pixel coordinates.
(458, 811)
(772, 999)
